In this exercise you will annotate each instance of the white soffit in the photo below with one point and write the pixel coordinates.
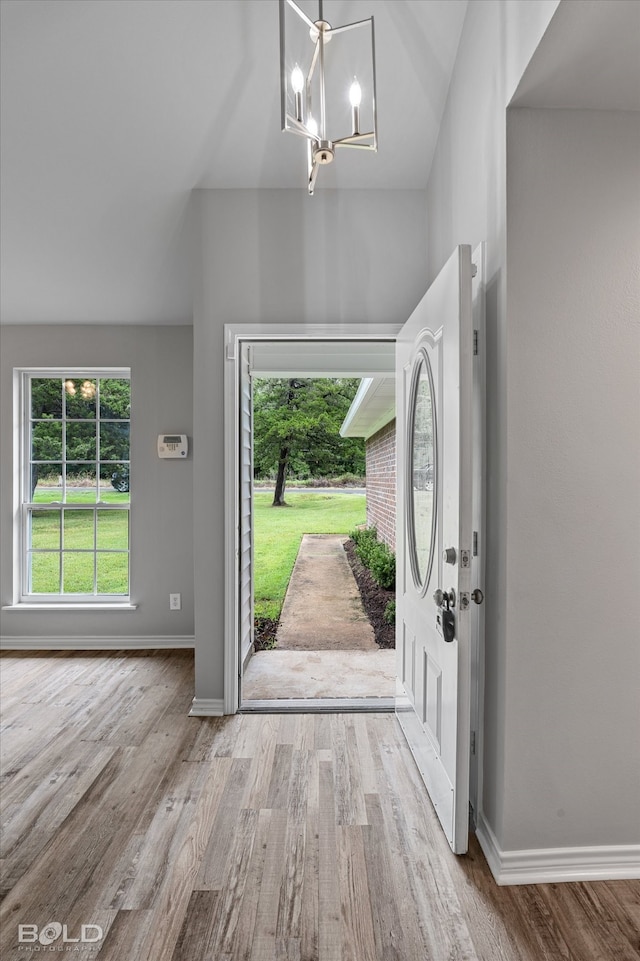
(322, 358)
(373, 406)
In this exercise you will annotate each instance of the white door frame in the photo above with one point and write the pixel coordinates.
(234, 335)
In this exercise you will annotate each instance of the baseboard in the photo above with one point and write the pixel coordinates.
(207, 707)
(95, 643)
(549, 865)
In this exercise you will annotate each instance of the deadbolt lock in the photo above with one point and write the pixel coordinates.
(449, 555)
(477, 596)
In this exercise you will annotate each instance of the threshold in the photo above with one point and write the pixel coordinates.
(319, 705)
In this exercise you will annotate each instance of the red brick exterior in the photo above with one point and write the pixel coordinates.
(381, 483)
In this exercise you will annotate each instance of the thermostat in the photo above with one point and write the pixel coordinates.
(173, 445)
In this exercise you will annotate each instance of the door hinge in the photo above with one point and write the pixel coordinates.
(475, 343)
(473, 742)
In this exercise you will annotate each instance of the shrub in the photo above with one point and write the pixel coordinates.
(383, 566)
(350, 480)
(376, 556)
(366, 541)
(389, 615)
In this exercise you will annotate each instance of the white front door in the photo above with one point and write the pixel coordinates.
(435, 543)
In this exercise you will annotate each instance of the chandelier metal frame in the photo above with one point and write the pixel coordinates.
(310, 119)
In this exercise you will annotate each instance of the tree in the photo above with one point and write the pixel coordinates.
(79, 398)
(297, 430)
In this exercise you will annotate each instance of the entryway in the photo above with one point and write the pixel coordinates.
(440, 390)
(326, 647)
(279, 351)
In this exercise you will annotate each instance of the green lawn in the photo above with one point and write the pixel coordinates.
(78, 495)
(112, 534)
(278, 532)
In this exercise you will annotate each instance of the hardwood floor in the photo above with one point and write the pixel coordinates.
(255, 837)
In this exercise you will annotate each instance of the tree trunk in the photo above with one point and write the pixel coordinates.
(281, 479)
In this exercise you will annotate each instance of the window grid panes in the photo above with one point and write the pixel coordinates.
(76, 496)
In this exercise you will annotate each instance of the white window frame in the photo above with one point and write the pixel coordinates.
(26, 507)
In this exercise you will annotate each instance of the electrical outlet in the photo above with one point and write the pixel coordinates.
(175, 602)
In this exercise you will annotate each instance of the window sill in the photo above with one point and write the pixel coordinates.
(69, 607)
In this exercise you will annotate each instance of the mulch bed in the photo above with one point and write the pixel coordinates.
(264, 633)
(374, 599)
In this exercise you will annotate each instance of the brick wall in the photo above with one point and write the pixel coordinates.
(381, 483)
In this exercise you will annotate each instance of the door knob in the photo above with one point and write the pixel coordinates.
(448, 598)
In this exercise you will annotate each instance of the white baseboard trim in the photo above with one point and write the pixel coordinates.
(96, 643)
(207, 707)
(548, 865)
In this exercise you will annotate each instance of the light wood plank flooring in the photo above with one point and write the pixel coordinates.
(256, 837)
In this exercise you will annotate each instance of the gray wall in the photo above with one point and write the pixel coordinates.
(280, 256)
(549, 680)
(161, 362)
(572, 704)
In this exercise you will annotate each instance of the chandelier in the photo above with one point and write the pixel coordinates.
(327, 84)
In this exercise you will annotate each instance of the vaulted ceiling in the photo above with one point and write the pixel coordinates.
(113, 110)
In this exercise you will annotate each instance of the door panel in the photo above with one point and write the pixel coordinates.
(433, 696)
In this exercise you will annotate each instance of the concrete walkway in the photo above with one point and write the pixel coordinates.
(304, 674)
(322, 609)
(325, 644)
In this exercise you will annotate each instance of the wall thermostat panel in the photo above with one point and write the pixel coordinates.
(173, 445)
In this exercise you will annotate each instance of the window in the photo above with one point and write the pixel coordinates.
(75, 482)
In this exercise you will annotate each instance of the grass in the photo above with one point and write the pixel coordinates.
(278, 532)
(112, 535)
(79, 495)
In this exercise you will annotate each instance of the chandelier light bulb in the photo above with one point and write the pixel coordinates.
(297, 79)
(355, 96)
(297, 85)
(355, 93)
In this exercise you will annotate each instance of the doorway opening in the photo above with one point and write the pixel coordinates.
(310, 682)
(438, 359)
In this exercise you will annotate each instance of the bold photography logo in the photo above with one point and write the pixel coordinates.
(56, 933)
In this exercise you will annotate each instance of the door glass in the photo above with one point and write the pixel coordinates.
(422, 473)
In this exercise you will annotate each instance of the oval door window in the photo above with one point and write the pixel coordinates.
(422, 471)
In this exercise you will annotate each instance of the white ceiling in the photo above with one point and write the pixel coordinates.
(113, 110)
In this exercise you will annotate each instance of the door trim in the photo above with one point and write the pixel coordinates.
(478, 511)
(234, 335)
